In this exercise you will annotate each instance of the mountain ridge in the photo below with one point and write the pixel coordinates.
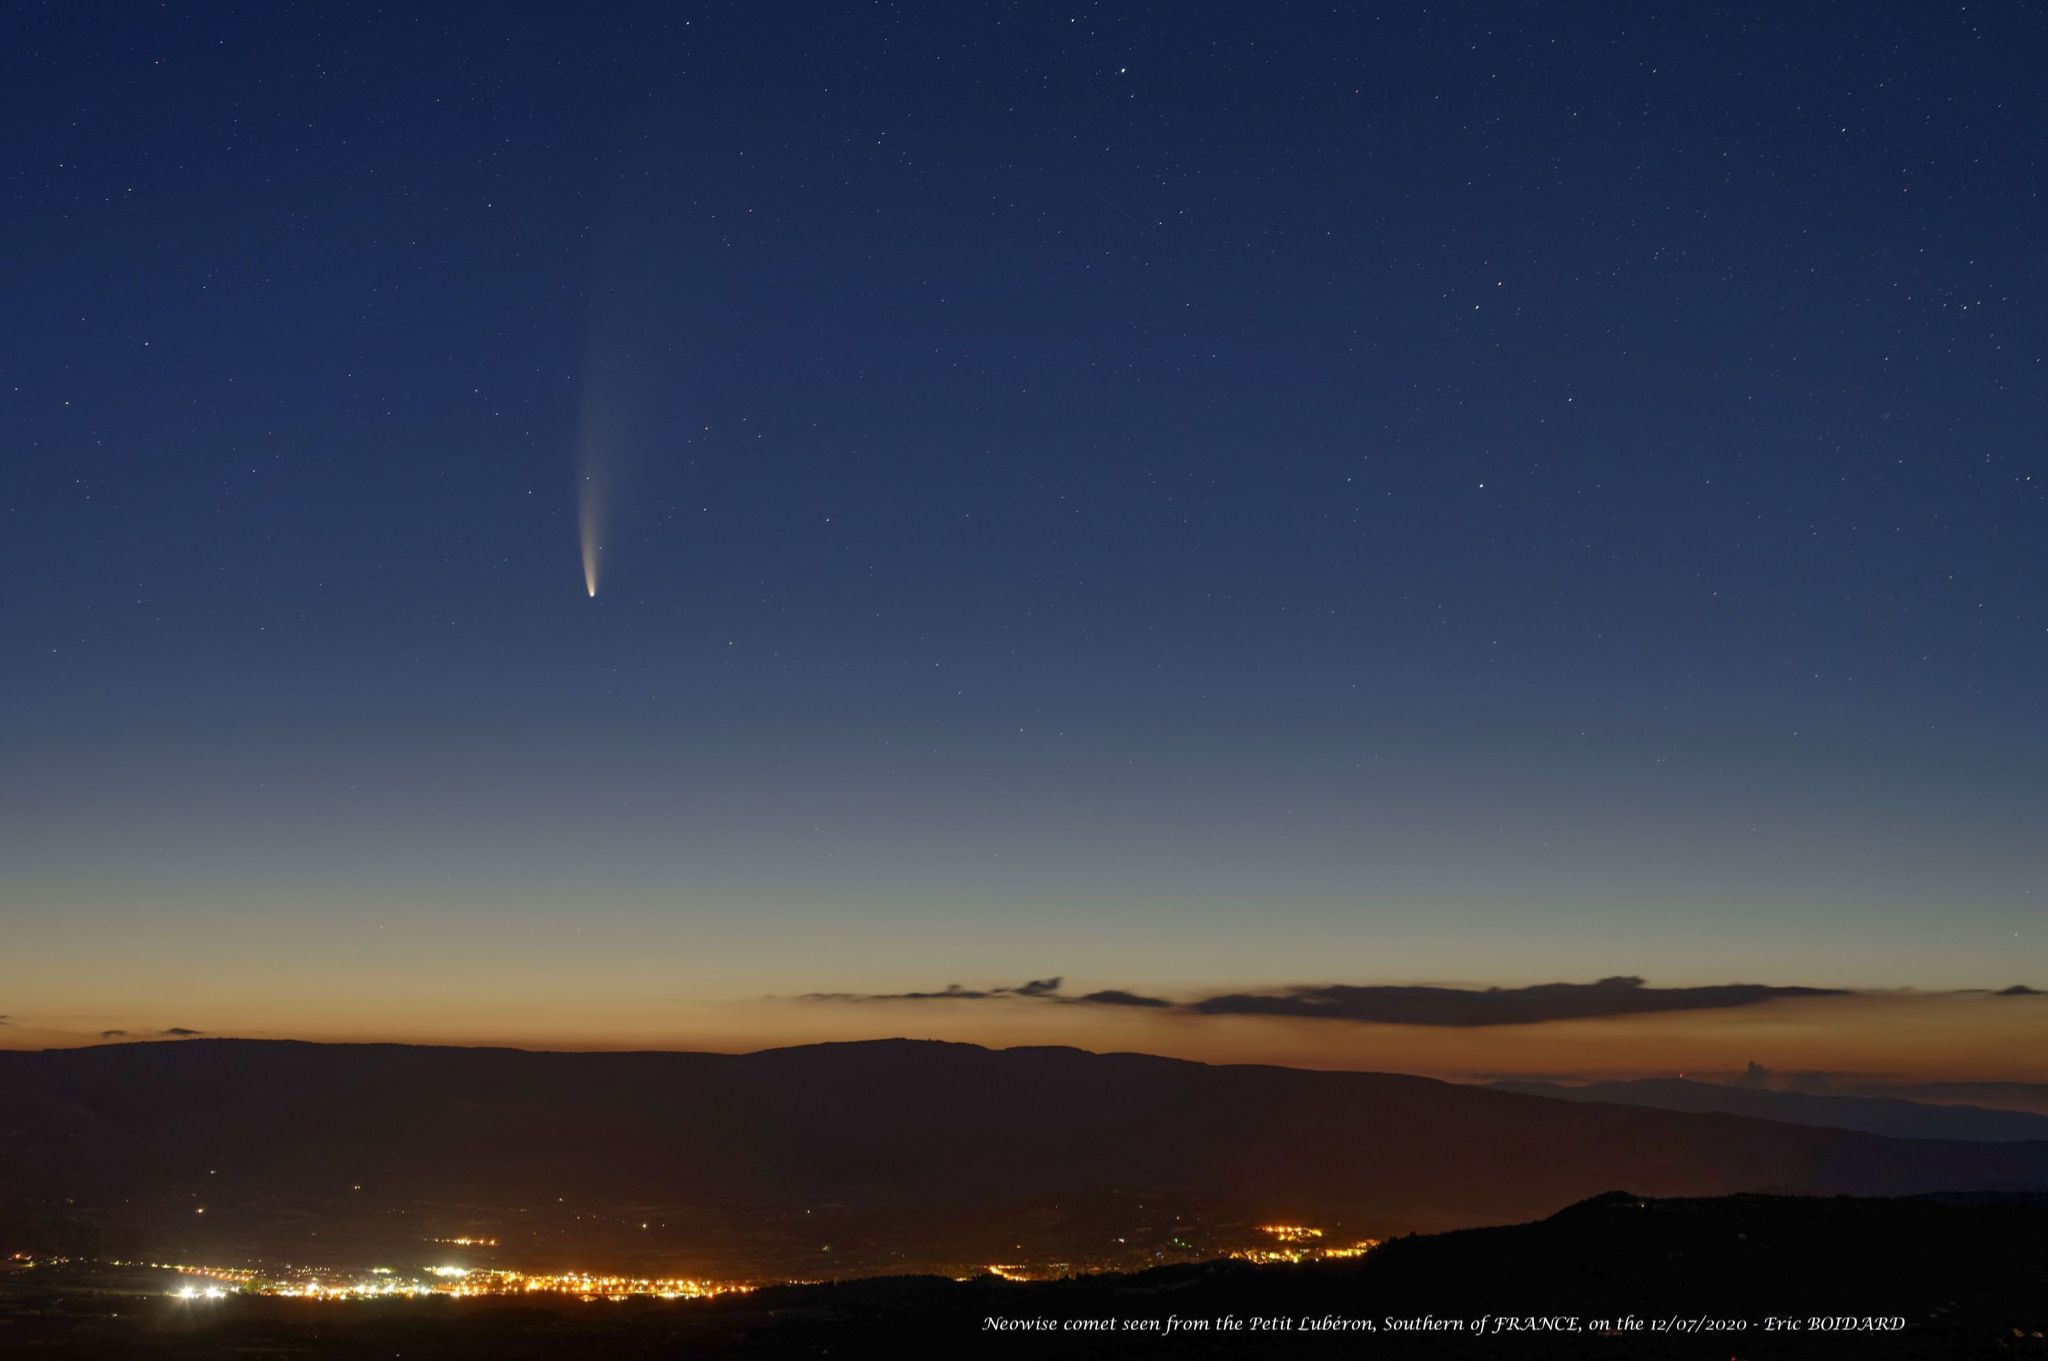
(887, 1123)
(1892, 1117)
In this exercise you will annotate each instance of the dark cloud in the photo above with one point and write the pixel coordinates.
(112, 1034)
(1117, 997)
(179, 1032)
(1623, 995)
(1755, 1075)
(1038, 989)
(953, 992)
(2019, 990)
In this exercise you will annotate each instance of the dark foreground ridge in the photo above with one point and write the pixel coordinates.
(1619, 1276)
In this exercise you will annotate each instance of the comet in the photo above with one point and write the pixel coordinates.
(590, 527)
(613, 398)
(599, 401)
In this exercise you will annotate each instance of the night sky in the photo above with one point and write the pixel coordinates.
(1189, 499)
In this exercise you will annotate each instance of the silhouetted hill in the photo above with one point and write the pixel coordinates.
(886, 1123)
(1890, 1116)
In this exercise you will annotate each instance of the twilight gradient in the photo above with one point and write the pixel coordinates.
(1186, 496)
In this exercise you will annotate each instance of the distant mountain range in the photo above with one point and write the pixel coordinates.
(1891, 1116)
(888, 1123)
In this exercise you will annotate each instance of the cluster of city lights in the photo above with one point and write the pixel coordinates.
(1289, 1243)
(453, 1282)
(1300, 1243)
(1291, 1233)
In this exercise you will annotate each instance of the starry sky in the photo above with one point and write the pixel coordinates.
(1191, 499)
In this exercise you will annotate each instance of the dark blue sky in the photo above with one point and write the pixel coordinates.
(1166, 493)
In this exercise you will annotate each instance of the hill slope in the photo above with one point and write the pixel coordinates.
(890, 1122)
